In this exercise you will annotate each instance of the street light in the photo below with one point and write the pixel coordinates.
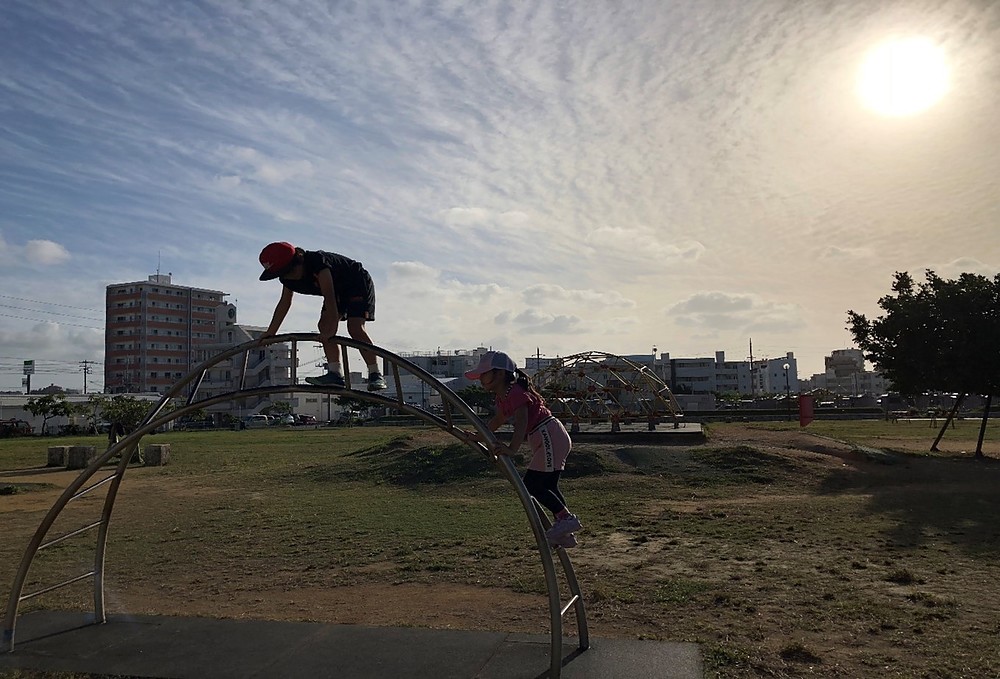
(788, 394)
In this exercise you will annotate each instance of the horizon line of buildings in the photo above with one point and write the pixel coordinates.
(157, 332)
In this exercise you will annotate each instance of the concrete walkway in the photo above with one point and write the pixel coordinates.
(194, 648)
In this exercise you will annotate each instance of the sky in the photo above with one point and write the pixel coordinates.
(528, 175)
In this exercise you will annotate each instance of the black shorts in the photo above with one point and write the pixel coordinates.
(358, 300)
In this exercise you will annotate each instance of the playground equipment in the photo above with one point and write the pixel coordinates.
(599, 385)
(455, 418)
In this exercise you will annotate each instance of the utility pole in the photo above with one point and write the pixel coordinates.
(29, 368)
(86, 371)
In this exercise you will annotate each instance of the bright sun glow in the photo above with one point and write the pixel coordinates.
(903, 77)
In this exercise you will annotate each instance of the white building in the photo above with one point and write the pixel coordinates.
(845, 375)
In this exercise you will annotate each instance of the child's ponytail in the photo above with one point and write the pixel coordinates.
(525, 383)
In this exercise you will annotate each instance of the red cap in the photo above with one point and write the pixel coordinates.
(275, 258)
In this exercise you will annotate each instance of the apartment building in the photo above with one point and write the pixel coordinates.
(449, 367)
(157, 332)
(845, 374)
(258, 367)
(446, 363)
(153, 331)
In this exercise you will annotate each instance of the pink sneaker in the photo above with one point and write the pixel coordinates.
(570, 524)
(566, 541)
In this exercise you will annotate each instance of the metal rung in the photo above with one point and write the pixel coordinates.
(69, 535)
(61, 584)
(399, 386)
(93, 486)
(569, 605)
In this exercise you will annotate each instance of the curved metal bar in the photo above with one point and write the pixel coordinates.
(615, 366)
(36, 540)
(453, 406)
(574, 588)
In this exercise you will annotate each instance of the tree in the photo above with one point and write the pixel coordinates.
(939, 335)
(125, 413)
(49, 406)
(477, 398)
(93, 410)
(353, 405)
(278, 408)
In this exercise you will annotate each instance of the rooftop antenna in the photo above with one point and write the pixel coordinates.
(157, 263)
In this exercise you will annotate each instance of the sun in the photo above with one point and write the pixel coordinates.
(903, 77)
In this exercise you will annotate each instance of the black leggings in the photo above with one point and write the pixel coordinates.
(544, 487)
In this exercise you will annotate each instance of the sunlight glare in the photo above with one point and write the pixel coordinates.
(903, 77)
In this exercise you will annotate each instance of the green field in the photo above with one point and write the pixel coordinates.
(779, 559)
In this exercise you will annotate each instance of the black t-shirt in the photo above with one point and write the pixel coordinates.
(348, 275)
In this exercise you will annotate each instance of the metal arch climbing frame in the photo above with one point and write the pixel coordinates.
(631, 376)
(456, 412)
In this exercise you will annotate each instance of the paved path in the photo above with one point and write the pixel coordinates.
(195, 648)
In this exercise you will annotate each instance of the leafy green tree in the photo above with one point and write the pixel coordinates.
(477, 398)
(49, 406)
(353, 405)
(939, 335)
(125, 413)
(93, 410)
(278, 408)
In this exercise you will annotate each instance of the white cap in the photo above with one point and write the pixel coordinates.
(492, 360)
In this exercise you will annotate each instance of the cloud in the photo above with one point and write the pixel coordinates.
(408, 279)
(579, 161)
(466, 216)
(643, 244)
(532, 321)
(50, 341)
(33, 253)
(713, 303)
(957, 267)
(721, 311)
(548, 292)
(45, 252)
(835, 254)
(250, 164)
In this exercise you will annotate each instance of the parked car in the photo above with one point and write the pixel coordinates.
(13, 427)
(305, 420)
(287, 419)
(257, 421)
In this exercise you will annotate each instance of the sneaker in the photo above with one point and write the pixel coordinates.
(376, 382)
(327, 380)
(565, 541)
(570, 524)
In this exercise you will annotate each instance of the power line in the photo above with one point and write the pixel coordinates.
(38, 301)
(50, 313)
(42, 320)
(18, 361)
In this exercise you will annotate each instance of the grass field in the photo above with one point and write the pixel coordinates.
(782, 553)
